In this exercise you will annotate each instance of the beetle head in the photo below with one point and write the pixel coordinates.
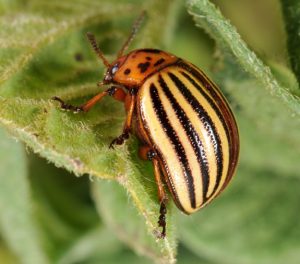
(113, 69)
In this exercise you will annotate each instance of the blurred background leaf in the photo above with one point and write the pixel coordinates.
(17, 223)
(291, 13)
(248, 47)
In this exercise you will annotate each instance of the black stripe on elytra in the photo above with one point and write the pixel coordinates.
(212, 104)
(173, 137)
(192, 135)
(208, 125)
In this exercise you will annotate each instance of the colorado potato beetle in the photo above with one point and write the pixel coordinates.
(182, 119)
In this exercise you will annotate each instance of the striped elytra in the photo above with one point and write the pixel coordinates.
(184, 123)
(189, 124)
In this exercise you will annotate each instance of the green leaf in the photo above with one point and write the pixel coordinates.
(99, 243)
(268, 132)
(260, 149)
(59, 196)
(6, 255)
(17, 222)
(187, 256)
(126, 223)
(24, 34)
(256, 220)
(100, 246)
(284, 76)
(260, 25)
(44, 52)
(207, 16)
(291, 12)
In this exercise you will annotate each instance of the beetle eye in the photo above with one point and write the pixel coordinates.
(114, 69)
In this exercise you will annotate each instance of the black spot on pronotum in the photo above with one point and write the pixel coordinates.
(160, 61)
(144, 66)
(150, 51)
(127, 71)
(148, 58)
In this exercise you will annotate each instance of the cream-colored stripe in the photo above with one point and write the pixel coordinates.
(218, 126)
(163, 144)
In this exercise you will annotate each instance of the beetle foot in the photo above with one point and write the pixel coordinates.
(68, 107)
(120, 139)
(162, 219)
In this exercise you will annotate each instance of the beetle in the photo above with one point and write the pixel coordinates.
(185, 124)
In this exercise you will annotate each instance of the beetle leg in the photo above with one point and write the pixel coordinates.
(127, 125)
(147, 153)
(113, 91)
(162, 198)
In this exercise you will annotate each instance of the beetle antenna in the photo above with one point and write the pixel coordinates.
(97, 50)
(135, 27)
